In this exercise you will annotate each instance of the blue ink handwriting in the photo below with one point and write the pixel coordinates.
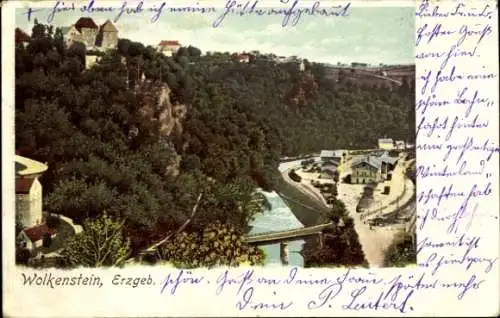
(235, 7)
(248, 303)
(425, 10)
(425, 171)
(183, 277)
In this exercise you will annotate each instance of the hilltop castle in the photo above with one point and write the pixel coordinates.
(86, 31)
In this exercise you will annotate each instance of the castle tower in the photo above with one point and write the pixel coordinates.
(108, 36)
(88, 30)
(29, 190)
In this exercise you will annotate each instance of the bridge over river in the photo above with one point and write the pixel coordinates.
(274, 237)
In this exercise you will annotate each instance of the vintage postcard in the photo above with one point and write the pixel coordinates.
(250, 158)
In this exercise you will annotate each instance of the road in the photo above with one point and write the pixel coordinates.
(375, 240)
(301, 186)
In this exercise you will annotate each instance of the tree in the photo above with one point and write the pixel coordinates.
(336, 176)
(190, 163)
(59, 42)
(335, 191)
(47, 240)
(38, 29)
(78, 50)
(341, 247)
(123, 46)
(100, 244)
(88, 199)
(338, 210)
(103, 138)
(53, 221)
(19, 224)
(194, 51)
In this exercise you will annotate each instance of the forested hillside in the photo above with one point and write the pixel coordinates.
(141, 135)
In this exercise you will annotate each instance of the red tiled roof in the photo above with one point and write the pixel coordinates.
(36, 232)
(165, 43)
(23, 185)
(85, 23)
(21, 36)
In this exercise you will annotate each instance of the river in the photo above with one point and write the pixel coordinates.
(279, 218)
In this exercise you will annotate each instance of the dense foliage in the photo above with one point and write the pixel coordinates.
(401, 254)
(217, 245)
(23, 254)
(115, 143)
(341, 243)
(341, 247)
(338, 212)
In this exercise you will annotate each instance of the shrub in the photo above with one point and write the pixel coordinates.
(216, 245)
(53, 221)
(294, 176)
(23, 255)
(335, 191)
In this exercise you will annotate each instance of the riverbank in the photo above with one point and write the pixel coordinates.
(374, 241)
(305, 208)
(308, 208)
(278, 217)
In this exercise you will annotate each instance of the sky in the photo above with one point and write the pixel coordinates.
(369, 34)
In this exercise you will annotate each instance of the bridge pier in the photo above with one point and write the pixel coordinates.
(284, 253)
(320, 240)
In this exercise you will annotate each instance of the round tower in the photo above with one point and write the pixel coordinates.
(29, 190)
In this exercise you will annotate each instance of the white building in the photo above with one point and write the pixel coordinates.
(32, 237)
(91, 60)
(244, 58)
(302, 66)
(386, 143)
(400, 144)
(339, 156)
(168, 48)
(29, 191)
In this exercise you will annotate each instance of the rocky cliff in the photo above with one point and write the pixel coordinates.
(157, 116)
(304, 88)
